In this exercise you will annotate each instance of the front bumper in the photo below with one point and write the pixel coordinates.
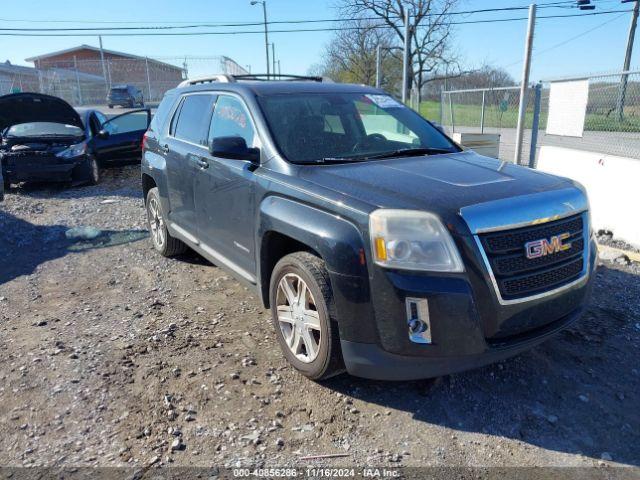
(371, 361)
(42, 169)
(462, 311)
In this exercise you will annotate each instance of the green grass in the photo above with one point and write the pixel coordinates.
(469, 116)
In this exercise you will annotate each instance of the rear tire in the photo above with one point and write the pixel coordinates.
(162, 241)
(303, 314)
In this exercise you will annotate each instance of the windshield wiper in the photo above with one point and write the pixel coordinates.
(409, 152)
(342, 159)
(403, 152)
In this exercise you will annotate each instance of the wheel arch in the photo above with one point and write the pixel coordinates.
(148, 182)
(287, 226)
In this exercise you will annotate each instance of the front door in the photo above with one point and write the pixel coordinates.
(224, 191)
(122, 138)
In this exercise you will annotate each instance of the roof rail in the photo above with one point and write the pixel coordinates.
(261, 77)
(222, 78)
(264, 77)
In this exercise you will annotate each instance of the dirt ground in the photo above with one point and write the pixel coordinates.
(111, 355)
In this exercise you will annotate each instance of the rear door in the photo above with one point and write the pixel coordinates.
(124, 136)
(183, 147)
(224, 191)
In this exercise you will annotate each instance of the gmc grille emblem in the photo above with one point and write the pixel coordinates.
(543, 247)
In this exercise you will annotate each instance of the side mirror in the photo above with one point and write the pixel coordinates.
(233, 148)
(103, 134)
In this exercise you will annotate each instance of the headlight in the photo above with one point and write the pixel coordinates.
(73, 151)
(412, 240)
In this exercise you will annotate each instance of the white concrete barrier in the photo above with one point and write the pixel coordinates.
(613, 185)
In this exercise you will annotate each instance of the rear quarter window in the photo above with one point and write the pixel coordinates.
(162, 113)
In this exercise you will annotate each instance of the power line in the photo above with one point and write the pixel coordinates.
(301, 30)
(568, 40)
(245, 24)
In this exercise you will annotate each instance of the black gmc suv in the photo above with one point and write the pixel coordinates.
(379, 245)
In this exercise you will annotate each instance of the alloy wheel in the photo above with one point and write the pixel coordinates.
(156, 223)
(298, 318)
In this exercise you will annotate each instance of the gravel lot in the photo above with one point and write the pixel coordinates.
(112, 356)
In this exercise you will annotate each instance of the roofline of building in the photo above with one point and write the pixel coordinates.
(84, 46)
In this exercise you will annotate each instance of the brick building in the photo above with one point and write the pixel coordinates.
(151, 76)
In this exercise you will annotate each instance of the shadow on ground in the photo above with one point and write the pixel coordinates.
(577, 393)
(24, 246)
(115, 182)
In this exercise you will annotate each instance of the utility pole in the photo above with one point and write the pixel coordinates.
(378, 66)
(279, 70)
(526, 70)
(622, 91)
(266, 32)
(104, 68)
(405, 58)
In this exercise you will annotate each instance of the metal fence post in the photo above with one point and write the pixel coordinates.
(146, 61)
(378, 66)
(406, 58)
(535, 124)
(453, 123)
(75, 65)
(442, 106)
(482, 112)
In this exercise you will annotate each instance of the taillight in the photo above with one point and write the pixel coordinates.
(143, 145)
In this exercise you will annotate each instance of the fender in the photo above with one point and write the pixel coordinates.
(337, 240)
(155, 166)
(341, 246)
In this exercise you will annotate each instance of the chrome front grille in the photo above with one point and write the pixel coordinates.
(518, 277)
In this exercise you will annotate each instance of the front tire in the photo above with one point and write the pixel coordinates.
(162, 241)
(303, 314)
(94, 172)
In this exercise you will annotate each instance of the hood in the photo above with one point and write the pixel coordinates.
(19, 108)
(442, 184)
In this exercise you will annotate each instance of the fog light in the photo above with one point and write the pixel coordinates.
(418, 320)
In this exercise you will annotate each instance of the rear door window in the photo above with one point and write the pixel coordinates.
(193, 119)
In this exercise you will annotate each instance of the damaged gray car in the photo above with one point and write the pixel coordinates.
(43, 139)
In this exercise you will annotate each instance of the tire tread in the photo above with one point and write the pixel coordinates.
(172, 246)
(316, 268)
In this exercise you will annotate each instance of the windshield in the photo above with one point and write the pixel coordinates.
(44, 129)
(323, 127)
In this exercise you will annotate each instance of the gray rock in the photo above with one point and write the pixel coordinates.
(177, 444)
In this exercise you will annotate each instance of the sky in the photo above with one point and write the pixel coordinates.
(562, 47)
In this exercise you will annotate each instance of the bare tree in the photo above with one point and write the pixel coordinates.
(350, 56)
(430, 32)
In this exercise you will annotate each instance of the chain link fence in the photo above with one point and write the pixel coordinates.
(611, 116)
(489, 111)
(87, 82)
